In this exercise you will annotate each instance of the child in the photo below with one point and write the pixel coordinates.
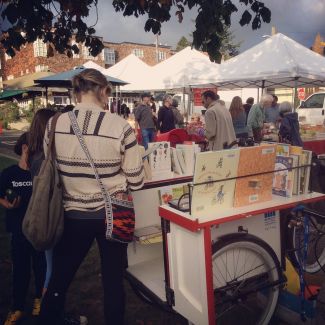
(15, 192)
(289, 128)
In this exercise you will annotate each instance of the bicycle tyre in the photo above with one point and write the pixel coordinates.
(295, 240)
(239, 297)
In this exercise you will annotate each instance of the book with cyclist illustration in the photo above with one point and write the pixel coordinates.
(283, 178)
(212, 171)
(257, 165)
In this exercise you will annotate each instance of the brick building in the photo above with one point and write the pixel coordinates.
(35, 57)
(115, 52)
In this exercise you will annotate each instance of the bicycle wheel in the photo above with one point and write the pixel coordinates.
(296, 242)
(246, 279)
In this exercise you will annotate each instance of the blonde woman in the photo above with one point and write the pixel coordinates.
(116, 157)
(238, 116)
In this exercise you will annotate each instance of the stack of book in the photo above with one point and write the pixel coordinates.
(183, 158)
(148, 235)
(292, 171)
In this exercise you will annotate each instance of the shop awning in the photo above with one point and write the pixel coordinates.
(8, 94)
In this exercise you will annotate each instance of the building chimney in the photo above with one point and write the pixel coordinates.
(273, 31)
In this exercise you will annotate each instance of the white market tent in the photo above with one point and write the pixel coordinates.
(277, 62)
(93, 65)
(182, 70)
(133, 70)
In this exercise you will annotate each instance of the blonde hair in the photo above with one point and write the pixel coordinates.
(91, 80)
(266, 98)
(236, 106)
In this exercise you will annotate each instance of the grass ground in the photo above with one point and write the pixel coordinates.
(85, 295)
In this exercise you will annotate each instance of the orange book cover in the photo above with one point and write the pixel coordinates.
(256, 188)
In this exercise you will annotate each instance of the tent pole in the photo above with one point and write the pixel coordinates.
(69, 92)
(295, 94)
(258, 94)
(46, 96)
(263, 86)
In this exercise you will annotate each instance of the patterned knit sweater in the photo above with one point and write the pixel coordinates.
(113, 148)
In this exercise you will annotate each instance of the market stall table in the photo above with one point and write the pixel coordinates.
(315, 144)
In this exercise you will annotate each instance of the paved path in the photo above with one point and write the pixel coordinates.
(7, 143)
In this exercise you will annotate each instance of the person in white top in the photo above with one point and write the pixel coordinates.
(114, 150)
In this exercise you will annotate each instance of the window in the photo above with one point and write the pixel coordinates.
(86, 54)
(7, 57)
(61, 100)
(27, 71)
(109, 55)
(315, 101)
(40, 48)
(161, 56)
(10, 77)
(75, 55)
(138, 53)
(41, 67)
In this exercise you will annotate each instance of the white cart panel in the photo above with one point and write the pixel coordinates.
(187, 273)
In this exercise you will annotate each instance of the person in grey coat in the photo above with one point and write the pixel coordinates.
(219, 129)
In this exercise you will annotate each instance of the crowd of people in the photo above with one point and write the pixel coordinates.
(113, 147)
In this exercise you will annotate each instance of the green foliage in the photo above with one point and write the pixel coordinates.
(228, 46)
(214, 16)
(182, 43)
(9, 112)
(52, 21)
(56, 21)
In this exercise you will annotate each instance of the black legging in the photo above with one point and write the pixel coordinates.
(77, 239)
(24, 257)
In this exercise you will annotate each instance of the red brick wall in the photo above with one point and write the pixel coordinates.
(24, 59)
(122, 50)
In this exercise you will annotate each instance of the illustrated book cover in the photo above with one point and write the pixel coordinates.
(210, 167)
(257, 165)
(160, 160)
(283, 176)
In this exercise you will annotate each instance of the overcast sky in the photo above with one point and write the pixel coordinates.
(301, 20)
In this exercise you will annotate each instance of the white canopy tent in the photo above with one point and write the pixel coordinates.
(277, 62)
(93, 65)
(182, 70)
(133, 70)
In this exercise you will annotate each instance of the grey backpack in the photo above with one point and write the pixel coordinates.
(43, 221)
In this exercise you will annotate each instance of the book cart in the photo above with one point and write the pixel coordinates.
(194, 266)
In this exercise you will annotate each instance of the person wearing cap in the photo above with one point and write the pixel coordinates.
(144, 119)
(289, 128)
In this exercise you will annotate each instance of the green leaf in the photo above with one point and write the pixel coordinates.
(246, 18)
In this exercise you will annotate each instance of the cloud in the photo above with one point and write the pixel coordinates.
(298, 19)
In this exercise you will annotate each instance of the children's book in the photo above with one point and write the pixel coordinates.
(283, 176)
(160, 160)
(173, 192)
(296, 173)
(257, 165)
(148, 235)
(283, 149)
(212, 171)
(305, 171)
(181, 161)
(176, 167)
